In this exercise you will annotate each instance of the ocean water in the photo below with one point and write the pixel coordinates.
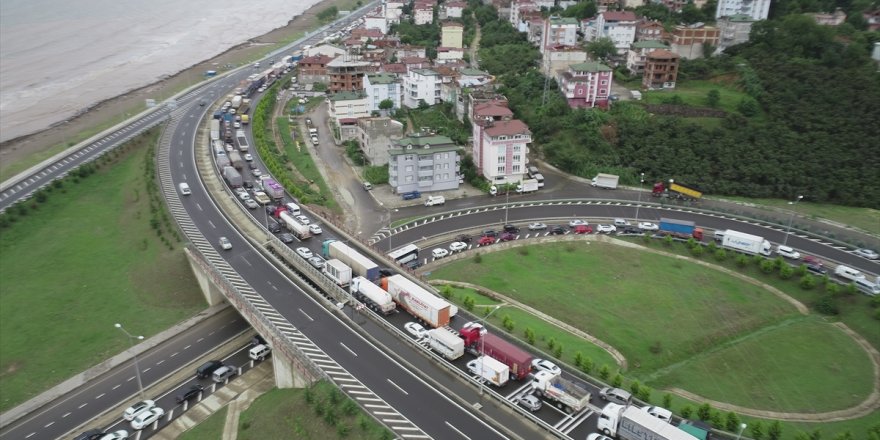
(58, 57)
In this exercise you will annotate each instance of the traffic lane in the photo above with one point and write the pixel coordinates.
(520, 215)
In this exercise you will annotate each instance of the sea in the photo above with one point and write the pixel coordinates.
(59, 57)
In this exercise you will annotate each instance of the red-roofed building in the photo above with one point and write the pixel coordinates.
(423, 13)
(415, 63)
(394, 68)
(366, 34)
(501, 146)
(586, 85)
(453, 9)
(661, 69)
(313, 69)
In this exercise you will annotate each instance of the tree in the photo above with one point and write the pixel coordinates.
(757, 430)
(713, 97)
(386, 104)
(604, 372)
(732, 422)
(602, 49)
(617, 381)
(774, 431)
(667, 401)
(704, 412)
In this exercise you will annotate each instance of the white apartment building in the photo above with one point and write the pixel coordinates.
(379, 87)
(421, 85)
(504, 151)
(756, 9)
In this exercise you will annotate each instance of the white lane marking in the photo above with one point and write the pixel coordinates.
(397, 386)
(160, 362)
(307, 315)
(456, 430)
(83, 405)
(30, 435)
(65, 415)
(199, 206)
(147, 369)
(117, 386)
(175, 353)
(187, 347)
(248, 262)
(200, 339)
(100, 396)
(48, 424)
(130, 379)
(349, 350)
(212, 224)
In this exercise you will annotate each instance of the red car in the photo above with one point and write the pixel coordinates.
(583, 229)
(486, 240)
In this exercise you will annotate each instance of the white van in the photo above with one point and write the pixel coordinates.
(867, 287)
(292, 208)
(259, 352)
(435, 200)
(184, 188)
(848, 273)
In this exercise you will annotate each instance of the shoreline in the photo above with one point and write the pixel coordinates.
(63, 133)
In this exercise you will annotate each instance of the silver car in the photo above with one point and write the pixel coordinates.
(531, 402)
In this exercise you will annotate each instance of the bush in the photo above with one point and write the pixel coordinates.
(645, 394)
(687, 412)
(742, 260)
(774, 431)
(617, 381)
(578, 359)
(768, 266)
(786, 272)
(551, 344)
(587, 364)
(446, 291)
(604, 372)
(478, 258)
(807, 282)
(697, 251)
(557, 352)
(732, 422)
(720, 255)
(508, 323)
(634, 387)
(667, 240)
(827, 305)
(667, 401)
(468, 303)
(757, 430)
(704, 412)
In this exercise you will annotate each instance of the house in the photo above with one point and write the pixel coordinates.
(661, 69)
(517, 10)
(557, 59)
(449, 54)
(635, 59)
(393, 10)
(425, 163)
(377, 137)
(347, 74)
(835, 18)
(689, 41)
(348, 105)
(397, 69)
(475, 95)
(409, 51)
(586, 85)
(649, 30)
(313, 69)
(423, 13)
(421, 85)
(327, 49)
(632, 4)
(619, 26)
(757, 9)
(415, 63)
(873, 19)
(367, 34)
(733, 30)
(558, 31)
(451, 34)
(378, 22)
(535, 30)
(675, 5)
(453, 9)
(379, 87)
(501, 150)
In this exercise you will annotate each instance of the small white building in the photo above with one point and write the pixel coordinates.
(421, 85)
(376, 22)
(379, 87)
(559, 31)
(423, 13)
(757, 9)
(504, 150)
(347, 107)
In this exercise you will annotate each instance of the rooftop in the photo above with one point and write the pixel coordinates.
(507, 128)
(650, 44)
(663, 54)
(347, 96)
(589, 67)
(619, 16)
(381, 78)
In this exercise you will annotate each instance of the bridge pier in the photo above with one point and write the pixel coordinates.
(286, 375)
(212, 294)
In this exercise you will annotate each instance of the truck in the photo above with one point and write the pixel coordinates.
(245, 119)
(261, 198)
(424, 305)
(479, 341)
(742, 242)
(527, 186)
(631, 423)
(223, 161)
(337, 271)
(569, 396)
(680, 228)
(445, 342)
(242, 141)
(232, 177)
(236, 160)
(360, 265)
(296, 228)
(272, 188)
(372, 295)
(490, 370)
(675, 191)
(215, 129)
(605, 181)
(236, 101)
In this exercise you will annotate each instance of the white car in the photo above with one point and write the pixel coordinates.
(658, 412)
(304, 252)
(225, 243)
(115, 435)
(545, 365)
(620, 222)
(415, 329)
(244, 196)
(867, 253)
(302, 219)
(251, 204)
(145, 418)
(607, 228)
(457, 246)
(256, 172)
(648, 226)
(315, 229)
(236, 124)
(439, 253)
(788, 252)
(577, 222)
(138, 408)
(248, 157)
(537, 226)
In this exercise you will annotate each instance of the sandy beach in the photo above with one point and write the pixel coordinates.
(111, 111)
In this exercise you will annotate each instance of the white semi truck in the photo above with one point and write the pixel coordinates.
(745, 243)
(631, 423)
(567, 395)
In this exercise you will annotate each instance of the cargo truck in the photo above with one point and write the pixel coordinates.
(479, 341)
(745, 243)
(631, 423)
(236, 160)
(272, 188)
(490, 370)
(360, 265)
(337, 271)
(605, 181)
(372, 295)
(245, 119)
(236, 101)
(445, 342)
(527, 186)
(296, 228)
(567, 395)
(215, 129)
(232, 177)
(424, 305)
(223, 161)
(680, 228)
(676, 191)
(242, 141)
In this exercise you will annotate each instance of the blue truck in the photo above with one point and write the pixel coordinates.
(680, 229)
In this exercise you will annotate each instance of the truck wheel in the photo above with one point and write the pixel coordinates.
(607, 432)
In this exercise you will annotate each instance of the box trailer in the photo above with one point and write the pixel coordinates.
(631, 423)
(745, 243)
(680, 228)
(360, 265)
(490, 370)
(419, 302)
(445, 342)
(338, 271)
(605, 181)
(479, 341)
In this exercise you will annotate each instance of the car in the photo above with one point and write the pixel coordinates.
(537, 226)
(648, 226)
(457, 246)
(621, 222)
(613, 98)
(596, 436)
(247, 183)
(236, 124)
(232, 111)
(507, 236)
(92, 434)
(256, 172)
(411, 195)
(413, 264)
(577, 222)
(139, 407)
(273, 226)
(302, 219)
(616, 395)
(309, 122)
(511, 228)
(144, 419)
(493, 190)
(415, 329)
(788, 252)
(252, 166)
(248, 157)
(286, 237)
(244, 196)
(438, 253)
(315, 229)
(867, 253)
(208, 368)
(239, 191)
(115, 435)
(545, 365)
(606, 229)
(557, 230)
(658, 412)
(464, 238)
(632, 230)
(368, 186)
(490, 233)
(583, 229)
(189, 393)
(531, 402)
(315, 140)
(304, 252)
(257, 340)
(225, 243)
(317, 262)
(251, 204)
(486, 240)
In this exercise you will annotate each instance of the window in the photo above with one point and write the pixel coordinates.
(409, 179)
(516, 169)
(517, 157)
(501, 169)
(501, 160)
(409, 168)
(517, 148)
(446, 166)
(425, 179)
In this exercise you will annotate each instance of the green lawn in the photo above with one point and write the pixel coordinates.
(210, 429)
(694, 92)
(85, 259)
(286, 414)
(305, 164)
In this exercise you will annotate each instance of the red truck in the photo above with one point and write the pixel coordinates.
(479, 341)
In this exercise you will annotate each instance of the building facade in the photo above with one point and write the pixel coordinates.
(559, 31)
(379, 87)
(689, 41)
(424, 163)
(757, 9)
(635, 59)
(661, 70)
(377, 136)
(733, 30)
(451, 34)
(504, 149)
(347, 75)
(421, 85)
(348, 105)
(586, 85)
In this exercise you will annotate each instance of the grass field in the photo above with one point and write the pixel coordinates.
(210, 429)
(694, 92)
(866, 219)
(710, 310)
(84, 260)
(305, 164)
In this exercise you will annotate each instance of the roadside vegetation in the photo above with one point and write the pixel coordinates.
(96, 249)
(209, 429)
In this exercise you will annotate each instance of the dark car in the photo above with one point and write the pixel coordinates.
(286, 237)
(189, 393)
(490, 233)
(252, 166)
(208, 368)
(630, 230)
(247, 184)
(257, 340)
(413, 264)
(557, 230)
(464, 238)
(507, 236)
(91, 434)
(386, 272)
(411, 195)
(273, 226)
(511, 229)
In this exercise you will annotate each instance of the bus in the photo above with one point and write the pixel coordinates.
(405, 254)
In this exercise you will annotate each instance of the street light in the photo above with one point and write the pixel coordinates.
(506, 203)
(791, 219)
(742, 427)
(641, 182)
(137, 368)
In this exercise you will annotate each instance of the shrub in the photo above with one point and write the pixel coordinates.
(686, 412)
(508, 323)
(604, 372)
(827, 305)
(807, 282)
(446, 291)
(468, 303)
(667, 240)
(587, 364)
(720, 255)
(774, 431)
(704, 412)
(617, 381)
(578, 359)
(768, 266)
(742, 260)
(634, 387)
(732, 422)
(551, 344)
(786, 272)
(557, 352)
(478, 258)
(832, 288)
(529, 335)
(343, 429)
(667, 401)
(757, 430)
(646, 237)
(697, 251)
(645, 394)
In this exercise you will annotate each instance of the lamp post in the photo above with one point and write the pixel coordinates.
(742, 427)
(137, 368)
(791, 219)
(641, 182)
(506, 203)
